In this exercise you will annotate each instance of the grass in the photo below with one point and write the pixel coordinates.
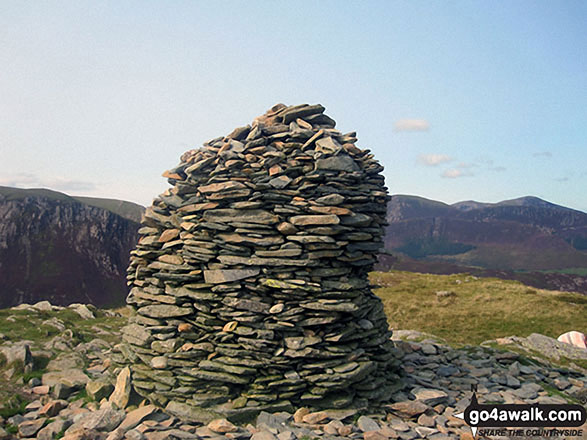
(480, 309)
(554, 392)
(81, 395)
(15, 404)
(27, 325)
(11, 429)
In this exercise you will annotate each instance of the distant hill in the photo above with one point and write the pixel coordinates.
(128, 210)
(64, 249)
(521, 234)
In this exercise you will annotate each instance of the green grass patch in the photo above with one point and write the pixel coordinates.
(555, 392)
(11, 429)
(479, 309)
(13, 405)
(81, 395)
(20, 325)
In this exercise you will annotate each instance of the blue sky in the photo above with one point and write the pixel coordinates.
(459, 100)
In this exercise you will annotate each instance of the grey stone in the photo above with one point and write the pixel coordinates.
(98, 390)
(331, 200)
(263, 435)
(367, 424)
(106, 419)
(82, 310)
(228, 275)
(122, 389)
(133, 434)
(72, 378)
(136, 416)
(191, 413)
(256, 216)
(50, 431)
(165, 311)
(43, 306)
(337, 163)
(63, 391)
(29, 428)
(19, 352)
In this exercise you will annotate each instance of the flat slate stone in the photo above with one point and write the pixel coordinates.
(337, 163)
(223, 186)
(256, 261)
(71, 378)
(257, 216)
(227, 275)
(306, 220)
(165, 311)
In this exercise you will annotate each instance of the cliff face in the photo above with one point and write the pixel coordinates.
(53, 247)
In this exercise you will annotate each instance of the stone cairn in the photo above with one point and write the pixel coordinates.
(249, 281)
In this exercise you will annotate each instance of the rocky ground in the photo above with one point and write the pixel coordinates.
(61, 384)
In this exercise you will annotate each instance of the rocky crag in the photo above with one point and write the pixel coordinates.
(79, 395)
(249, 281)
(55, 247)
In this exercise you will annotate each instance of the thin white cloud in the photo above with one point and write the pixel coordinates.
(562, 179)
(28, 180)
(411, 125)
(498, 169)
(433, 160)
(466, 165)
(455, 173)
(485, 160)
(546, 154)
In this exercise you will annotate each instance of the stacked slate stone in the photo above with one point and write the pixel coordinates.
(250, 279)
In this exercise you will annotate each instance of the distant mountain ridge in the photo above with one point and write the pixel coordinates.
(129, 210)
(64, 249)
(527, 233)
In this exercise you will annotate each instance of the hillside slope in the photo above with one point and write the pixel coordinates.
(54, 247)
(520, 234)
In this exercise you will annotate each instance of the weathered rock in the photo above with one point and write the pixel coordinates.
(106, 419)
(136, 416)
(122, 389)
(429, 396)
(226, 276)
(18, 353)
(50, 431)
(222, 426)
(72, 378)
(52, 408)
(306, 220)
(376, 435)
(98, 390)
(367, 424)
(263, 435)
(30, 427)
(409, 408)
(191, 413)
(315, 417)
(82, 310)
(165, 311)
